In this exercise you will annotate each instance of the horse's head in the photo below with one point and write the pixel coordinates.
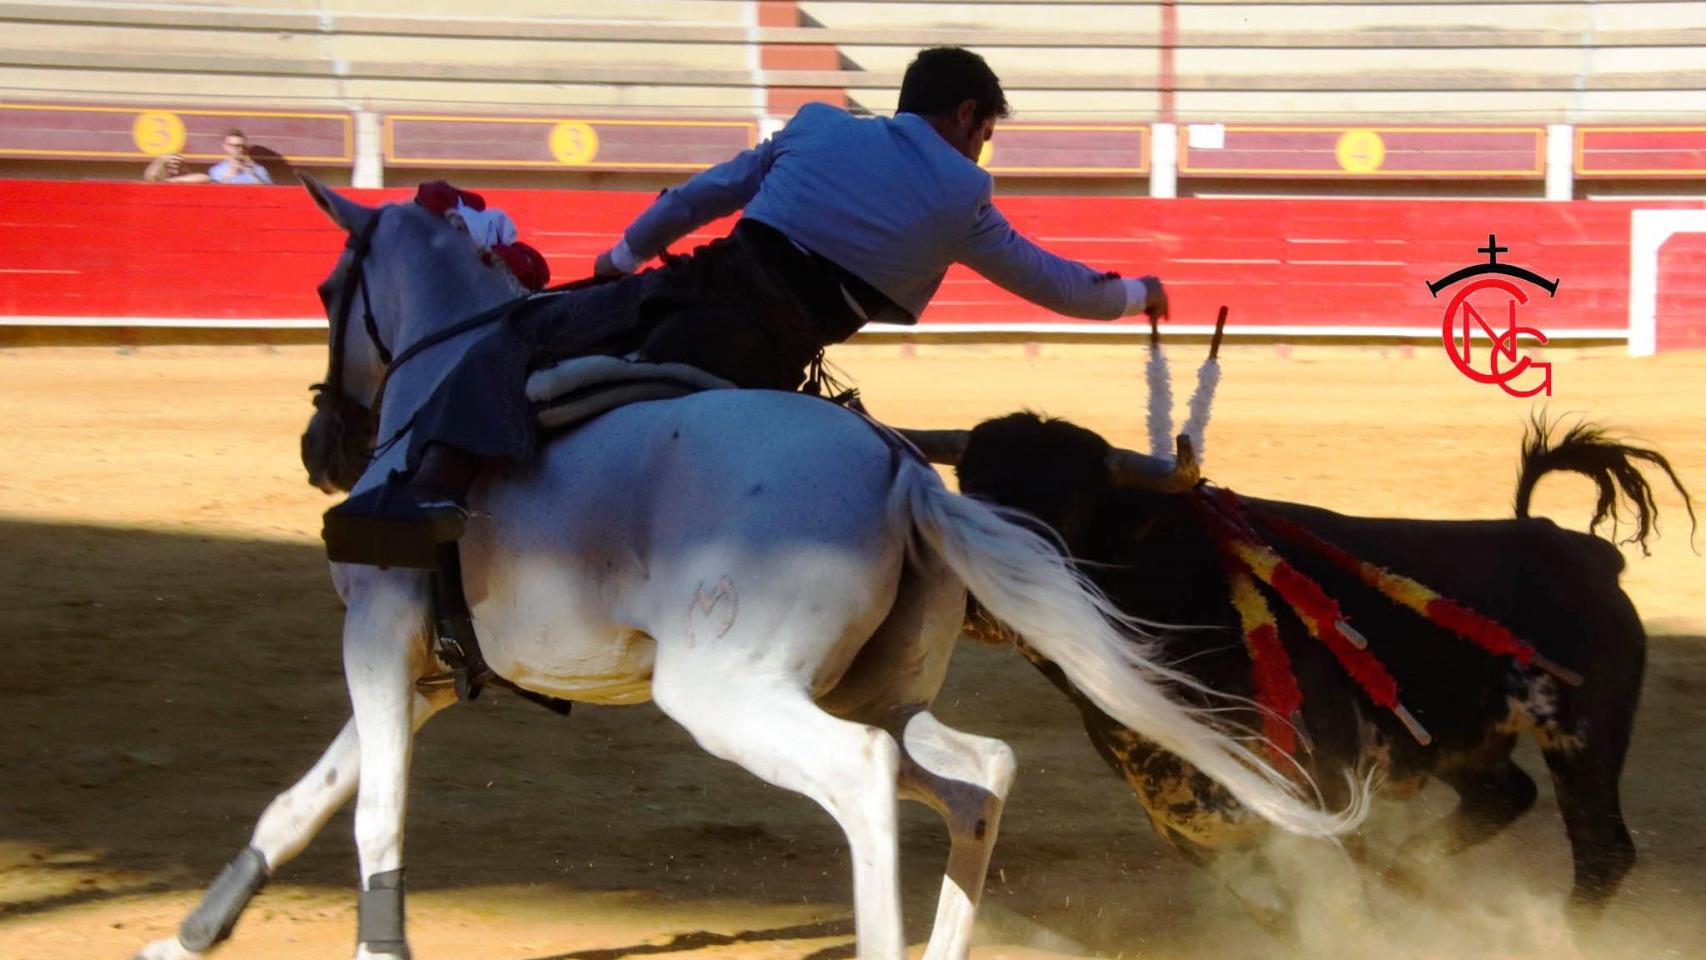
(403, 273)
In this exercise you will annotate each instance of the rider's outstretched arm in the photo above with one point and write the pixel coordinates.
(1014, 263)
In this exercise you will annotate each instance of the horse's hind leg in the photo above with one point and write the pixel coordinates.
(965, 778)
(771, 727)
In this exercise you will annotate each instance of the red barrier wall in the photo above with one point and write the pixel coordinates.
(71, 249)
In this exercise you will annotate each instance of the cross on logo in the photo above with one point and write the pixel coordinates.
(1460, 311)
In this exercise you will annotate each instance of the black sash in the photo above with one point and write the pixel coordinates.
(817, 282)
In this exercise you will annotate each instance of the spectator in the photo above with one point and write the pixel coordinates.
(238, 166)
(170, 169)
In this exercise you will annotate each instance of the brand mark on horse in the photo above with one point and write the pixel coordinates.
(705, 602)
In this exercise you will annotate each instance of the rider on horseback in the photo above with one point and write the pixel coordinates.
(846, 220)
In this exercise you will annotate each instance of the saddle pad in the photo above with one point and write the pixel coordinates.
(576, 390)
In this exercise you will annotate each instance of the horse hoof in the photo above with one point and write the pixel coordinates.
(166, 948)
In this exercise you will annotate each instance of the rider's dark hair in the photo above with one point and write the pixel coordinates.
(941, 78)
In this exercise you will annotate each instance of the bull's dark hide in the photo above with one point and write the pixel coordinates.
(1555, 588)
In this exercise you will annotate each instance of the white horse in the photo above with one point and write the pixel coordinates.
(757, 563)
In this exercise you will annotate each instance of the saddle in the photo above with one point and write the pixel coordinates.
(572, 392)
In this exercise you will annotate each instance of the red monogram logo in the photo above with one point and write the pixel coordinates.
(1465, 314)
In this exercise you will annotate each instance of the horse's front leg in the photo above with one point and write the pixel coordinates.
(289, 823)
(285, 828)
(385, 652)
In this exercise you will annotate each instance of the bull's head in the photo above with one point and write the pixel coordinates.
(1054, 470)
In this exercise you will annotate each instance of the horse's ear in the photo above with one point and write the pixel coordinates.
(343, 211)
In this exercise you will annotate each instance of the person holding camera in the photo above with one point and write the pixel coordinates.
(238, 166)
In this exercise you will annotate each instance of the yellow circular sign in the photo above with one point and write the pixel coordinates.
(157, 132)
(986, 154)
(573, 142)
(1360, 151)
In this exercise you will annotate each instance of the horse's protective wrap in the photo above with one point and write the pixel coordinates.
(213, 919)
(379, 915)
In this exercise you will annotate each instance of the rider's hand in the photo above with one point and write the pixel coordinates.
(615, 262)
(1157, 305)
(603, 267)
(1145, 295)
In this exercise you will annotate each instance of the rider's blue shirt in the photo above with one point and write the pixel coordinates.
(887, 199)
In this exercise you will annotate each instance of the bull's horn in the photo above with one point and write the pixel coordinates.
(938, 446)
(1134, 471)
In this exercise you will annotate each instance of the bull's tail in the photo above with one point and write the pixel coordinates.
(1021, 578)
(1612, 466)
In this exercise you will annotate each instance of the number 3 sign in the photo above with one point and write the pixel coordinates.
(158, 133)
(574, 143)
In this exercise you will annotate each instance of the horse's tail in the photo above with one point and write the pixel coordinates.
(1611, 465)
(1026, 582)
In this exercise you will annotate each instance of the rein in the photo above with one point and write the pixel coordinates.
(478, 320)
(331, 393)
(481, 319)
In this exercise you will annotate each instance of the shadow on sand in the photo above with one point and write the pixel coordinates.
(157, 689)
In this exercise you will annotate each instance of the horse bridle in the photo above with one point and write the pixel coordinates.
(331, 396)
(346, 412)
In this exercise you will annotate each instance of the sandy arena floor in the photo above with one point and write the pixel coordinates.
(171, 662)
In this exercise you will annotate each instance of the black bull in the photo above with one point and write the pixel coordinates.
(1557, 589)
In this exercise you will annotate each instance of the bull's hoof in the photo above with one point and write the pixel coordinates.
(1405, 879)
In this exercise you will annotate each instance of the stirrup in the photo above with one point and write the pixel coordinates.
(363, 530)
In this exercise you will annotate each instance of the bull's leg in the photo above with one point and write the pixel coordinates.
(1586, 786)
(964, 778)
(285, 829)
(1252, 881)
(1489, 799)
(771, 727)
(1584, 744)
